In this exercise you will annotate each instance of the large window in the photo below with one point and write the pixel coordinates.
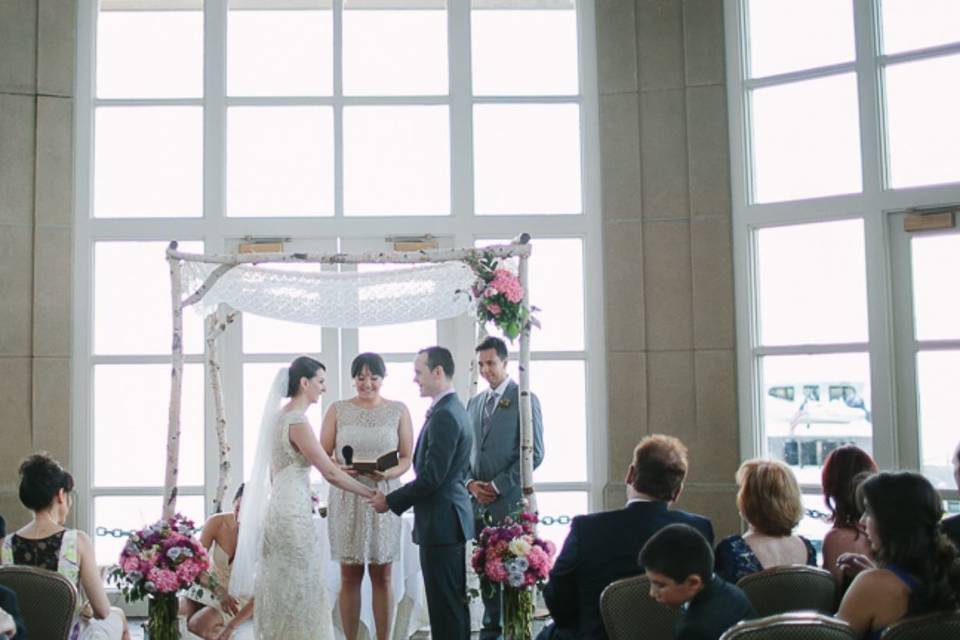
(329, 125)
(846, 327)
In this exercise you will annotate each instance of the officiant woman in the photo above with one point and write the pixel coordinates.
(367, 426)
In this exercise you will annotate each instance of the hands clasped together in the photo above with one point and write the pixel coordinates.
(484, 492)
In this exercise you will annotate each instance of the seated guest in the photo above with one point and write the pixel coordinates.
(11, 624)
(843, 471)
(769, 500)
(45, 489)
(3, 527)
(951, 525)
(679, 563)
(915, 570)
(215, 616)
(603, 547)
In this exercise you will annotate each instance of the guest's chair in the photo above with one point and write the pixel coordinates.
(629, 613)
(790, 588)
(47, 600)
(791, 626)
(942, 625)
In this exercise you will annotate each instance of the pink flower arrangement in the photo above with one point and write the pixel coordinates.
(499, 296)
(512, 554)
(162, 558)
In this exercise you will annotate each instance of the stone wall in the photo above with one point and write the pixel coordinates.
(36, 194)
(667, 248)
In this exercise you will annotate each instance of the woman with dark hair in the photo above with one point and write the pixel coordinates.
(915, 570)
(769, 501)
(211, 612)
(45, 489)
(278, 559)
(843, 471)
(370, 425)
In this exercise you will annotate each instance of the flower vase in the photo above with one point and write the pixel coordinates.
(162, 617)
(518, 605)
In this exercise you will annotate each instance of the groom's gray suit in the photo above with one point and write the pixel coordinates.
(442, 518)
(496, 458)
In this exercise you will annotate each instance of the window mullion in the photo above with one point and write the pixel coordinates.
(214, 113)
(338, 109)
(461, 110)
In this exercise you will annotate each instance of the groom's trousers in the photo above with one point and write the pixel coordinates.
(445, 580)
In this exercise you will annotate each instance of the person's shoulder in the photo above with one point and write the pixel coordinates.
(217, 520)
(877, 581)
(83, 540)
(294, 417)
(730, 541)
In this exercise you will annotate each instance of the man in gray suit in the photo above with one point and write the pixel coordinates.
(442, 517)
(494, 480)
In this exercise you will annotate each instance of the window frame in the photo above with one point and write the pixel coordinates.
(892, 376)
(219, 232)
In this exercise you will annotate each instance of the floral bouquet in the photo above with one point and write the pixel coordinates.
(156, 563)
(499, 297)
(512, 555)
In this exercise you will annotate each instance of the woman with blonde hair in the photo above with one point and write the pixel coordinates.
(769, 501)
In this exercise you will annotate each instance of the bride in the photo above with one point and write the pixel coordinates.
(278, 558)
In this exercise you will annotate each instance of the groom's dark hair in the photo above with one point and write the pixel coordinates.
(439, 357)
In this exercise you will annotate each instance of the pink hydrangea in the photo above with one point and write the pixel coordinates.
(164, 579)
(495, 570)
(494, 308)
(187, 572)
(539, 561)
(130, 564)
(507, 284)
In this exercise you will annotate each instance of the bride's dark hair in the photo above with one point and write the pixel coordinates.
(302, 367)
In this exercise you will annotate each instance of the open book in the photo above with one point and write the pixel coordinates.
(384, 462)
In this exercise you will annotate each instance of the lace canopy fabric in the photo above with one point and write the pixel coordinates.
(348, 299)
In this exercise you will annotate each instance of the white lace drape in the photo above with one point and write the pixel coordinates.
(348, 299)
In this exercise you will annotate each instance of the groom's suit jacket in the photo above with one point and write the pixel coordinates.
(441, 505)
(496, 455)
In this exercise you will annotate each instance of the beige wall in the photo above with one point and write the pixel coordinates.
(666, 233)
(36, 186)
(666, 221)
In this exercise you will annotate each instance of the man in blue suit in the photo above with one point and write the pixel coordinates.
(442, 516)
(603, 547)
(495, 483)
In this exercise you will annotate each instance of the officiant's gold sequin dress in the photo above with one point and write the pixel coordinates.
(358, 535)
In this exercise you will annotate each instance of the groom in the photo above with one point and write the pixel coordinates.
(442, 515)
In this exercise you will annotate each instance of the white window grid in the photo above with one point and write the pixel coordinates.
(221, 233)
(891, 348)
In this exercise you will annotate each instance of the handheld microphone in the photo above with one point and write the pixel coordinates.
(347, 453)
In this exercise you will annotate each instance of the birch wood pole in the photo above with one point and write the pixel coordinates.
(526, 409)
(215, 327)
(176, 388)
(372, 257)
(474, 365)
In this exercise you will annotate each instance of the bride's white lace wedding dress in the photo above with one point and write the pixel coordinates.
(290, 600)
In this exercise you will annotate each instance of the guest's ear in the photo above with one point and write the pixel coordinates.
(676, 496)
(631, 475)
(693, 583)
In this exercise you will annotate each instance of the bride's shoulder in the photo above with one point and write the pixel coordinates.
(293, 417)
